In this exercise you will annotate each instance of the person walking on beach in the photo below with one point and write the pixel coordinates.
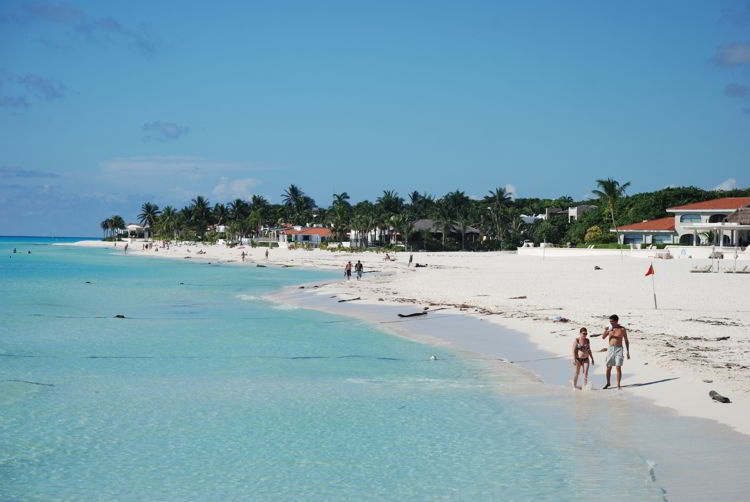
(266, 254)
(126, 249)
(581, 354)
(348, 271)
(617, 335)
(243, 257)
(359, 268)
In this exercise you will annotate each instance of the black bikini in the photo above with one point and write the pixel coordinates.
(580, 347)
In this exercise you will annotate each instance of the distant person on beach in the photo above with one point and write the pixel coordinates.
(411, 258)
(243, 256)
(266, 254)
(359, 268)
(581, 355)
(348, 271)
(617, 335)
(126, 249)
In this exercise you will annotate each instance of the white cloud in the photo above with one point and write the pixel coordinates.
(176, 164)
(728, 184)
(234, 189)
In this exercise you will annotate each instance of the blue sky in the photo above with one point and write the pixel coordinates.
(105, 105)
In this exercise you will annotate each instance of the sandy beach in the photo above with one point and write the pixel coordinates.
(697, 340)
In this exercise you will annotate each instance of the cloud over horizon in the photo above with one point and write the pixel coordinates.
(234, 189)
(728, 184)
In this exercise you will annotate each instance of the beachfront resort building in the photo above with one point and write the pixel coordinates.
(136, 231)
(313, 236)
(718, 222)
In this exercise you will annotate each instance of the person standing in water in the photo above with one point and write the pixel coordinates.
(617, 335)
(581, 355)
(359, 268)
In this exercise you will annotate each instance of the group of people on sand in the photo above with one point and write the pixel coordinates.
(244, 255)
(615, 354)
(359, 269)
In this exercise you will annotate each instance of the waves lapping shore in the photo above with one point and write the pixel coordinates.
(680, 352)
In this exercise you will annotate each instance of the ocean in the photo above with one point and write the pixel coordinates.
(204, 391)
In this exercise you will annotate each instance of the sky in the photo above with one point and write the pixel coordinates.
(107, 105)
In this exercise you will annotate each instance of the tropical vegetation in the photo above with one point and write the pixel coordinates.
(502, 221)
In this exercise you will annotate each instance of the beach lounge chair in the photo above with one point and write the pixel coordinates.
(702, 270)
(744, 270)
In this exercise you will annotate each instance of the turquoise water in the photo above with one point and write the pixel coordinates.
(205, 392)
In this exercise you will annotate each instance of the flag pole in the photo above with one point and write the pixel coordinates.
(653, 287)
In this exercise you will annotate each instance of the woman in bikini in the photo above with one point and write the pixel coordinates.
(581, 354)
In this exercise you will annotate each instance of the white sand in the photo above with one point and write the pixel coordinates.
(702, 307)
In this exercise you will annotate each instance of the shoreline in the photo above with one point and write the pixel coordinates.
(664, 383)
(657, 433)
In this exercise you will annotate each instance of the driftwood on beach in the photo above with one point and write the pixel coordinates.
(415, 314)
(718, 397)
(350, 299)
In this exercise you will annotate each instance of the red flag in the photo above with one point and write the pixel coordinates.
(650, 271)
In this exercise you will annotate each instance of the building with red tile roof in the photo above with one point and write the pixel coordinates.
(700, 223)
(305, 235)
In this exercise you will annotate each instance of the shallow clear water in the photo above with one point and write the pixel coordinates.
(204, 392)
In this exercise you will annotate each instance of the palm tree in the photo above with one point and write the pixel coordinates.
(105, 225)
(457, 201)
(420, 204)
(167, 222)
(149, 213)
(390, 202)
(464, 222)
(498, 197)
(444, 219)
(200, 214)
(363, 224)
(117, 223)
(297, 202)
(404, 225)
(340, 198)
(237, 210)
(609, 191)
(221, 213)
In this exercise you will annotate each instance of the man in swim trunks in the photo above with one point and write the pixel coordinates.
(617, 334)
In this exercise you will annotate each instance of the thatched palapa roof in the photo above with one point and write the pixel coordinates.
(741, 216)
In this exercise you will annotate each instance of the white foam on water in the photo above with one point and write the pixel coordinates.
(249, 298)
(284, 306)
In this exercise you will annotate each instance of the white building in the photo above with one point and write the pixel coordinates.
(300, 235)
(716, 222)
(136, 231)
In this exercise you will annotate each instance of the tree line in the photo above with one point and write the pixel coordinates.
(498, 217)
